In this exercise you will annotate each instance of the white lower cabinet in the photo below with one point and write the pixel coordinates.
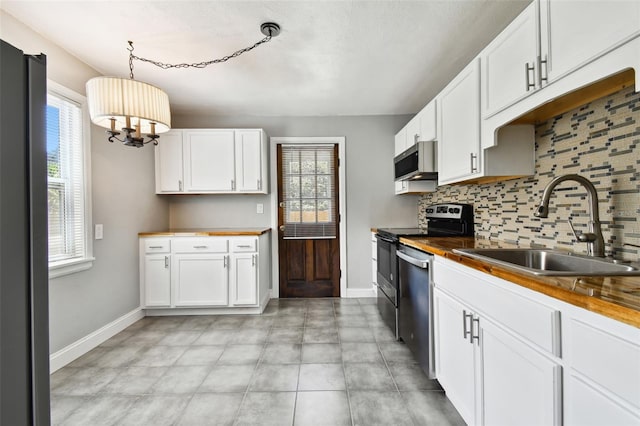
(517, 382)
(507, 355)
(200, 280)
(493, 374)
(455, 356)
(157, 281)
(205, 272)
(244, 283)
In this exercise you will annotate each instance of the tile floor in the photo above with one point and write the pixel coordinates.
(303, 362)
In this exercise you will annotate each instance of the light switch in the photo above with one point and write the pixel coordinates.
(99, 231)
(259, 208)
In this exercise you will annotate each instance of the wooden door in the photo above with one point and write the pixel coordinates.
(308, 220)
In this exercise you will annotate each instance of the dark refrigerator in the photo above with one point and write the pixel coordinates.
(24, 310)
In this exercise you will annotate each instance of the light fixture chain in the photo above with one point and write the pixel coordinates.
(195, 64)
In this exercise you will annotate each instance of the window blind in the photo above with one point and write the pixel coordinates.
(65, 171)
(309, 194)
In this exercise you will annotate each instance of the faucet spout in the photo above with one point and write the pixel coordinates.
(594, 237)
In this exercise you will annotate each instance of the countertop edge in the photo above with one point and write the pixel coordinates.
(542, 285)
(207, 233)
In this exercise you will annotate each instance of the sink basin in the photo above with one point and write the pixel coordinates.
(550, 262)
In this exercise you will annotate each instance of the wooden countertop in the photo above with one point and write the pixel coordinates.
(211, 232)
(614, 297)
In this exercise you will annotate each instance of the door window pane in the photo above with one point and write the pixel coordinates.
(309, 196)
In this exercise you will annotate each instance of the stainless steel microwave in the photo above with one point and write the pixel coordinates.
(417, 163)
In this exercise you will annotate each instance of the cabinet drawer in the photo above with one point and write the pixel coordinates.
(244, 245)
(609, 360)
(530, 319)
(157, 245)
(200, 245)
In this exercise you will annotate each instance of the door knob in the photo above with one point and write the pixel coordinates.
(281, 228)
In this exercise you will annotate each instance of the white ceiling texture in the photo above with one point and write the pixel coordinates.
(331, 58)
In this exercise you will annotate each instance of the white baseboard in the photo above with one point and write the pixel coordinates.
(362, 292)
(80, 347)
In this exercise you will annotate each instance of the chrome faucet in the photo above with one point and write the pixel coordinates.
(593, 238)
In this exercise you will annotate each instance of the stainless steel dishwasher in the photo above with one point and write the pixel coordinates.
(416, 305)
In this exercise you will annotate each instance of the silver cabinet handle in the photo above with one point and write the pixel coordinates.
(225, 261)
(466, 332)
(546, 70)
(244, 246)
(475, 336)
(528, 83)
(474, 157)
(416, 137)
(259, 184)
(179, 185)
(155, 247)
(200, 247)
(166, 262)
(253, 260)
(233, 185)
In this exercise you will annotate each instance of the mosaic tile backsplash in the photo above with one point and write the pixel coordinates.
(600, 141)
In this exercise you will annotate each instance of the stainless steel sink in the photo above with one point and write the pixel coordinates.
(550, 262)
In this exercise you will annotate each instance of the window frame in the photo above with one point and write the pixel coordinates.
(64, 267)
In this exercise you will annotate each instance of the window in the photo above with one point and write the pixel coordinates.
(69, 201)
(309, 191)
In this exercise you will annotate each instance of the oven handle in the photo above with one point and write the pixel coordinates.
(424, 264)
(385, 239)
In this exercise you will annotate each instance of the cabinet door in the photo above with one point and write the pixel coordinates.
(168, 159)
(245, 279)
(428, 122)
(157, 280)
(509, 63)
(459, 145)
(574, 32)
(400, 141)
(585, 405)
(518, 383)
(209, 161)
(248, 160)
(413, 132)
(200, 280)
(455, 356)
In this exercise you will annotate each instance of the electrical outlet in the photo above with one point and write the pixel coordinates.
(99, 232)
(259, 208)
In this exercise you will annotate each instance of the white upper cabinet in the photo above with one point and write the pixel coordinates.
(553, 49)
(400, 141)
(421, 128)
(575, 32)
(509, 63)
(169, 166)
(209, 161)
(207, 155)
(250, 151)
(459, 141)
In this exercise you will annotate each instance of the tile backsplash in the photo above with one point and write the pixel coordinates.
(600, 141)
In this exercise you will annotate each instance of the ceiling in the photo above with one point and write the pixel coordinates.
(345, 57)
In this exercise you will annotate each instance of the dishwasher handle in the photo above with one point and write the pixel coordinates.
(424, 264)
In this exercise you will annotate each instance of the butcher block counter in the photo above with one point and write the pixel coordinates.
(616, 297)
(207, 232)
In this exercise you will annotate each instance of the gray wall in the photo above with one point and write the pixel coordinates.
(123, 200)
(370, 199)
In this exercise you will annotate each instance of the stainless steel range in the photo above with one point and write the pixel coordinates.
(444, 220)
